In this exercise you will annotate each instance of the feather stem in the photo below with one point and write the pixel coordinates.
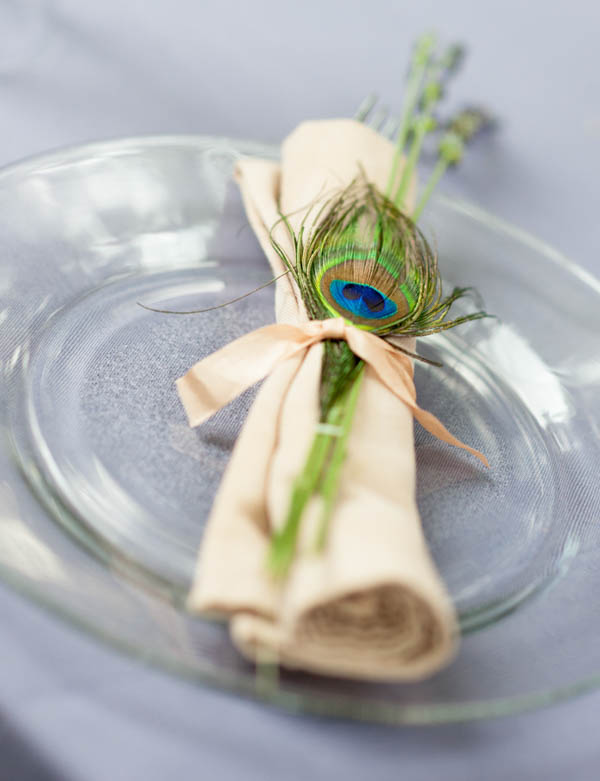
(217, 306)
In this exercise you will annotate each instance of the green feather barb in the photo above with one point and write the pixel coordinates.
(362, 241)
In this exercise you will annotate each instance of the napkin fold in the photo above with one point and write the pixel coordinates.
(371, 605)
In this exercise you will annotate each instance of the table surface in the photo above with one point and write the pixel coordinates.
(72, 71)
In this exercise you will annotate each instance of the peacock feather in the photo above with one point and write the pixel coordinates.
(368, 262)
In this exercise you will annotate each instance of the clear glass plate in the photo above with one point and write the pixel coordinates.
(105, 489)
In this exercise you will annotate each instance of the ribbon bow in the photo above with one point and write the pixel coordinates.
(218, 379)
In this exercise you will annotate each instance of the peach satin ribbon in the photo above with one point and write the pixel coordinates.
(218, 379)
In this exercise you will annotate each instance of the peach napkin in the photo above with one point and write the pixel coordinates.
(371, 605)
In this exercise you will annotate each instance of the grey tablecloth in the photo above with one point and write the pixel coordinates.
(76, 70)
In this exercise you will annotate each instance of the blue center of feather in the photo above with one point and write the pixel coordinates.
(362, 300)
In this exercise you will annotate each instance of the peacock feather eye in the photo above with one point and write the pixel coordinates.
(362, 300)
(363, 290)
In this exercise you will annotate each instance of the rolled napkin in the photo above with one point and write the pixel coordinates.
(371, 605)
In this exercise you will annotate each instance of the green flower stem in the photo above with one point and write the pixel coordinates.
(437, 73)
(419, 65)
(283, 542)
(329, 487)
(320, 474)
(437, 173)
(450, 151)
(423, 126)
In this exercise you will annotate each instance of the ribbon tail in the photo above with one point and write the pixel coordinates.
(393, 370)
(217, 380)
(437, 428)
(429, 422)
